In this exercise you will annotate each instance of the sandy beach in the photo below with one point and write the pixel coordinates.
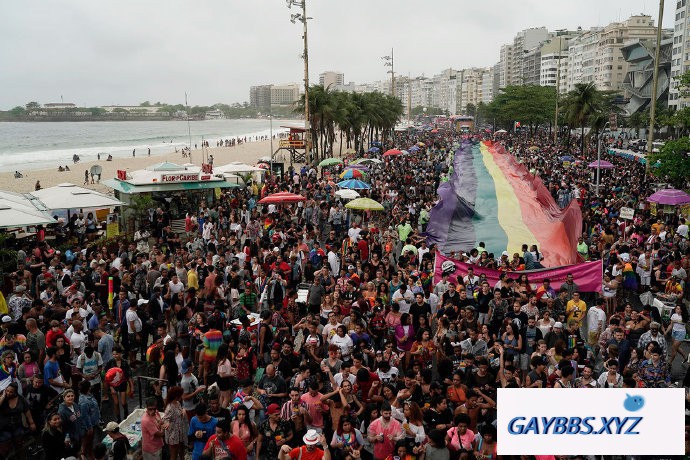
(248, 153)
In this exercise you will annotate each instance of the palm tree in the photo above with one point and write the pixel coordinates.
(582, 102)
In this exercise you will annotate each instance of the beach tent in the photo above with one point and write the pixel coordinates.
(69, 196)
(236, 167)
(16, 210)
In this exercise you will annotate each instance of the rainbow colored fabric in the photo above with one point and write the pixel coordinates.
(490, 197)
(211, 341)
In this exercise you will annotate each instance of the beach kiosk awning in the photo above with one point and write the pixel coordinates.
(171, 177)
(126, 187)
(70, 196)
(16, 210)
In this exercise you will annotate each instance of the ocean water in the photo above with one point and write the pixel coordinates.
(38, 145)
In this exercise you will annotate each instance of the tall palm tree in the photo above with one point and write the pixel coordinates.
(582, 102)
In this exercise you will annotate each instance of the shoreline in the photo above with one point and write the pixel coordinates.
(248, 153)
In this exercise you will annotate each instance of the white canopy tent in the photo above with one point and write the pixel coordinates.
(236, 167)
(16, 210)
(70, 196)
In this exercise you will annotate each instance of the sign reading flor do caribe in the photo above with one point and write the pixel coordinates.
(601, 421)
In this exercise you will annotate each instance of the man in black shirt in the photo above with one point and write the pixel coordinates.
(419, 308)
(518, 316)
(438, 416)
(214, 409)
(451, 296)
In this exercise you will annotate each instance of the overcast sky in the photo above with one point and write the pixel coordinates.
(128, 51)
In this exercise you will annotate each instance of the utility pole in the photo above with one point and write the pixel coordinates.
(655, 82)
(390, 63)
(558, 91)
(302, 17)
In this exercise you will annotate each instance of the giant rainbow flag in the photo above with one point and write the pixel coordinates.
(490, 197)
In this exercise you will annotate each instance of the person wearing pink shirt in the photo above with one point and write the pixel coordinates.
(315, 408)
(384, 432)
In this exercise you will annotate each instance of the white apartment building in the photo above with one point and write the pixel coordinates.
(554, 61)
(331, 78)
(284, 94)
(581, 54)
(471, 89)
(488, 80)
(505, 66)
(680, 55)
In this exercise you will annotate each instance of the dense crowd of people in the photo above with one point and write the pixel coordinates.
(308, 331)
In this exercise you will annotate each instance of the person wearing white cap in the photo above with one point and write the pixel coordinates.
(308, 451)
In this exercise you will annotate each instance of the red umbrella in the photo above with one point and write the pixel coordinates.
(282, 197)
(392, 152)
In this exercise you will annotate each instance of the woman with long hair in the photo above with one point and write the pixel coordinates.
(71, 424)
(245, 430)
(169, 372)
(343, 402)
(346, 439)
(413, 425)
(404, 335)
(53, 438)
(676, 327)
(512, 343)
(225, 374)
(176, 419)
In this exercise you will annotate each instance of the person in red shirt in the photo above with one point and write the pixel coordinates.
(309, 451)
(224, 445)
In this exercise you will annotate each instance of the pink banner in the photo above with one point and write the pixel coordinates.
(586, 275)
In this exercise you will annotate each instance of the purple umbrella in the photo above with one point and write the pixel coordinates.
(670, 196)
(602, 165)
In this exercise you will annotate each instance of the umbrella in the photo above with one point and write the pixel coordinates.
(534, 148)
(374, 150)
(501, 131)
(392, 152)
(421, 144)
(602, 165)
(347, 194)
(433, 131)
(352, 174)
(354, 184)
(263, 165)
(404, 152)
(670, 196)
(367, 160)
(414, 148)
(566, 158)
(365, 204)
(357, 166)
(330, 162)
(282, 197)
(96, 170)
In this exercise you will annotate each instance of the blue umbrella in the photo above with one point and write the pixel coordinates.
(566, 158)
(414, 148)
(354, 184)
(374, 149)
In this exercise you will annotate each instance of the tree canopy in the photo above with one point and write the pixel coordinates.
(672, 162)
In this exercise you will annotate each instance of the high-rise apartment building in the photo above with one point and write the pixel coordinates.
(680, 55)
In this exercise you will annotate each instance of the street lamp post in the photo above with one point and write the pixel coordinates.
(601, 134)
(303, 18)
(389, 63)
(655, 82)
